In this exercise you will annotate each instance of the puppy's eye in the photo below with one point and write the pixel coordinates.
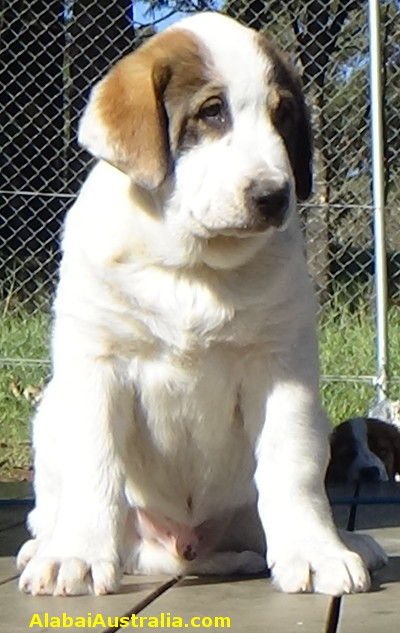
(213, 112)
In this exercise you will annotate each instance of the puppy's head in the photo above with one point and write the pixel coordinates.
(211, 108)
(364, 449)
(384, 441)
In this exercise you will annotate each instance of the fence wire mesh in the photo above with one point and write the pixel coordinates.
(53, 52)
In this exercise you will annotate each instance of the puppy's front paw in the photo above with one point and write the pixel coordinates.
(26, 552)
(332, 573)
(69, 576)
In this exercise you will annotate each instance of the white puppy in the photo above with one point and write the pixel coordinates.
(184, 349)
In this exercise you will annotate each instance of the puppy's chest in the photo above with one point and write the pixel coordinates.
(197, 346)
(184, 313)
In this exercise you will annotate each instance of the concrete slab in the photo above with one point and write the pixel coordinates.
(20, 613)
(252, 606)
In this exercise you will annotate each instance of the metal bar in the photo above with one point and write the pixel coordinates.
(378, 193)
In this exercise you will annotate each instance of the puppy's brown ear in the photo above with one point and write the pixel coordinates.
(125, 123)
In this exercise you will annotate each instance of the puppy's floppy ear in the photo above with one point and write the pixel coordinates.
(303, 152)
(292, 119)
(125, 122)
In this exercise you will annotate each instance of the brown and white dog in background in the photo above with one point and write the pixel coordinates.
(364, 449)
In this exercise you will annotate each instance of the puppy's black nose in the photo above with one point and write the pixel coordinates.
(269, 201)
(190, 553)
(369, 474)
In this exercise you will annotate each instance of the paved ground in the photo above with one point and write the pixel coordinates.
(252, 605)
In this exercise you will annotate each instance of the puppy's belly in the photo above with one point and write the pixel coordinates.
(189, 454)
(190, 486)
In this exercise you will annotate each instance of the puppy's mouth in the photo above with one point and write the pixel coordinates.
(255, 226)
(262, 209)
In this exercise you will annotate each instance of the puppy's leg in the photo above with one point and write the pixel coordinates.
(304, 551)
(79, 516)
(42, 518)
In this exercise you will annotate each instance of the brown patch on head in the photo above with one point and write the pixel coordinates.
(384, 441)
(290, 116)
(127, 121)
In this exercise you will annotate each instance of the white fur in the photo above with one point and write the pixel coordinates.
(184, 351)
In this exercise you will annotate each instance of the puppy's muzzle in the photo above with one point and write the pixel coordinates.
(268, 203)
(370, 474)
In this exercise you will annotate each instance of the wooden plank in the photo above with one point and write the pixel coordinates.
(252, 606)
(20, 612)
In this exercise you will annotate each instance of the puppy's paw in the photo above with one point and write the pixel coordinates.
(69, 576)
(333, 573)
(26, 552)
(371, 552)
(39, 576)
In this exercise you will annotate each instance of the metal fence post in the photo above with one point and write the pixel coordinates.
(378, 193)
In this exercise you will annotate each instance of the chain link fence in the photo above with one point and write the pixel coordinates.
(54, 51)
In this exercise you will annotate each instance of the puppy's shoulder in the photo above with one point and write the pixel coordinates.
(101, 216)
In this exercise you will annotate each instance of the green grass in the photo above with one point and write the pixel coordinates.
(347, 342)
(23, 337)
(347, 350)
